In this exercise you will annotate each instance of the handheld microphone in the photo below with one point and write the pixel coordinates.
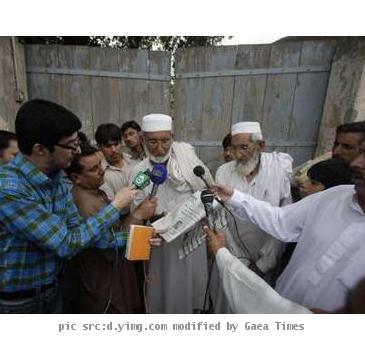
(158, 177)
(199, 172)
(207, 198)
(142, 179)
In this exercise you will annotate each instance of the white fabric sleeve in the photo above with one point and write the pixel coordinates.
(285, 224)
(248, 293)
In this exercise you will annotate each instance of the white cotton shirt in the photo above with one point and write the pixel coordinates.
(116, 178)
(330, 255)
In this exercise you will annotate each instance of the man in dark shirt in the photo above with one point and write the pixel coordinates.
(107, 280)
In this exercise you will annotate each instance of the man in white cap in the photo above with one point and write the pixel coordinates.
(173, 285)
(265, 176)
(328, 226)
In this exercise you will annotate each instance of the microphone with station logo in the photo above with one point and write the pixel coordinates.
(158, 176)
(142, 179)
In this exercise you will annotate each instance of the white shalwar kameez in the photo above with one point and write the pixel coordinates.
(329, 228)
(174, 285)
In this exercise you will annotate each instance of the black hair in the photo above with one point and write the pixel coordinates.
(82, 137)
(107, 133)
(227, 141)
(130, 124)
(86, 150)
(43, 122)
(356, 128)
(330, 173)
(5, 138)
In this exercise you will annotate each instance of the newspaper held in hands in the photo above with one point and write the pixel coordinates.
(185, 220)
(181, 219)
(191, 241)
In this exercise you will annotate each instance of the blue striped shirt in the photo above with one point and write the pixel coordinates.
(40, 224)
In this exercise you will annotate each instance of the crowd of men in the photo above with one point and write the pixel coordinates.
(293, 239)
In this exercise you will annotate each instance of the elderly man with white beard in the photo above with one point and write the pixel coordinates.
(265, 176)
(173, 285)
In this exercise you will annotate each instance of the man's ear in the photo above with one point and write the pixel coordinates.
(40, 150)
(262, 145)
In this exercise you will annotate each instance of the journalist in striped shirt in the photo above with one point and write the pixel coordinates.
(39, 222)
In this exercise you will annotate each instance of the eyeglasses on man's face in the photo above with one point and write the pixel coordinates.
(72, 145)
(242, 146)
(155, 142)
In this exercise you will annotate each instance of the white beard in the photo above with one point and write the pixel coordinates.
(154, 159)
(246, 168)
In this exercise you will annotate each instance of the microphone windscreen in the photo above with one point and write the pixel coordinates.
(158, 174)
(199, 171)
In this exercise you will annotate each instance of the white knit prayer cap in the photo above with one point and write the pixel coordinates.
(246, 128)
(156, 122)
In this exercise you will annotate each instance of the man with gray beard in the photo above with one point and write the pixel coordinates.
(173, 285)
(265, 176)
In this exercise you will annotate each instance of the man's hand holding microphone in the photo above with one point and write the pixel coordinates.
(223, 192)
(145, 210)
(124, 198)
(215, 239)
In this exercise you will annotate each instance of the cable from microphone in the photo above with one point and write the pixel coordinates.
(241, 243)
(207, 198)
(199, 171)
(158, 176)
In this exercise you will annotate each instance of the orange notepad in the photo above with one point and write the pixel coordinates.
(138, 245)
